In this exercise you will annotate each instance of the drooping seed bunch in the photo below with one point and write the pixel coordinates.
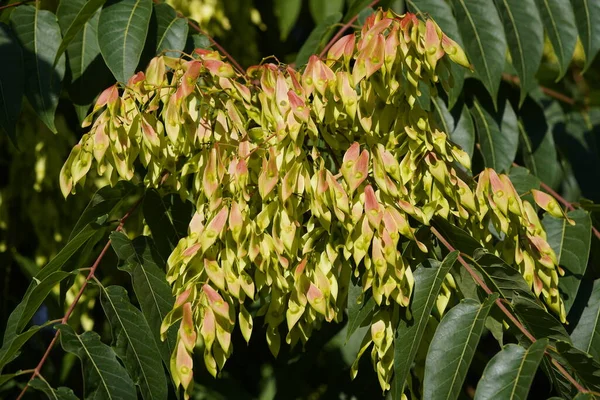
(302, 180)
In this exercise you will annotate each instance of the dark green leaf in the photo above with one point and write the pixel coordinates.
(509, 374)
(168, 219)
(522, 180)
(39, 33)
(525, 37)
(150, 285)
(355, 7)
(172, 30)
(72, 17)
(539, 152)
(457, 237)
(453, 347)
(559, 22)
(464, 133)
(442, 116)
(484, 40)
(320, 9)
(287, 13)
(584, 366)
(62, 393)
(572, 247)
(134, 343)
(357, 312)
(313, 44)
(501, 277)
(103, 202)
(11, 82)
(539, 322)
(498, 135)
(104, 377)
(428, 277)
(122, 32)
(586, 334)
(13, 342)
(587, 15)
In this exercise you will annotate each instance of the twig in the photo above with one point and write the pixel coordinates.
(342, 30)
(506, 312)
(65, 318)
(16, 4)
(547, 91)
(213, 41)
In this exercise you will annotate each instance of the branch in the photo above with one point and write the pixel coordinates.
(342, 30)
(506, 312)
(552, 93)
(564, 202)
(195, 27)
(65, 318)
(16, 4)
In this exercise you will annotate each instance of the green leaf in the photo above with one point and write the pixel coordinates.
(498, 135)
(525, 37)
(357, 312)
(539, 322)
(320, 9)
(355, 7)
(586, 334)
(572, 247)
(150, 285)
(168, 219)
(429, 277)
(537, 143)
(72, 17)
(457, 237)
(316, 38)
(13, 342)
(523, 180)
(11, 82)
(441, 12)
(584, 366)
(485, 43)
(464, 133)
(501, 277)
(122, 32)
(134, 343)
(172, 30)
(39, 34)
(559, 22)
(587, 15)
(509, 374)
(442, 116)
(62, 393)
(287, 13)
(452, 349)
(103, 202)
(104, 377)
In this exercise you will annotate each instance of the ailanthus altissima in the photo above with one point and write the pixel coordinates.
(306, 182)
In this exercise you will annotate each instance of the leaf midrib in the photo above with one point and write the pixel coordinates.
(95, 365)
(126, 35)
(164, 35)
(449, 395)
(479, 44)
(516, 30)
(487, 131)
(554, 27)
(129, 339)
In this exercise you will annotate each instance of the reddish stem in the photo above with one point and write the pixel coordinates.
(505, 311)
(16, 4)
(71, 308)
(342, 30)
(547, 91)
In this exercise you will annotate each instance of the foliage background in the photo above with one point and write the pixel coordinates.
(556, 139)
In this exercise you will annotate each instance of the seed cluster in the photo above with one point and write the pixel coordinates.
(305, 182)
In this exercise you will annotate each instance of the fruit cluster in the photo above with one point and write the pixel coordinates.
(305, 181)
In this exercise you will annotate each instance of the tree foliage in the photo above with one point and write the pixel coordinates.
(420, 187)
